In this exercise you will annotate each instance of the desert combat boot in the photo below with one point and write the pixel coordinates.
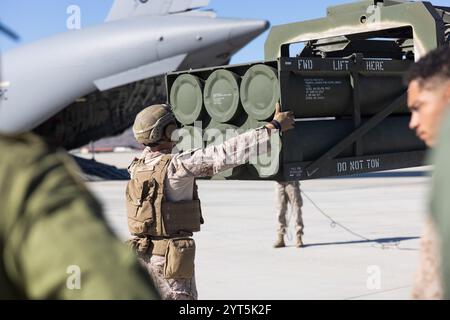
(280, 241)
(299, 243)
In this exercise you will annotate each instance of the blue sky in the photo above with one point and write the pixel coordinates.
(34, 20)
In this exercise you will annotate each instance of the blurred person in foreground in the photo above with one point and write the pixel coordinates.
(54, 240)
(429, 101)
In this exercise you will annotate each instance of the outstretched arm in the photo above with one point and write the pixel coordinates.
(233, 152)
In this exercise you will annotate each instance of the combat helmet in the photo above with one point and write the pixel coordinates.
(151, 123)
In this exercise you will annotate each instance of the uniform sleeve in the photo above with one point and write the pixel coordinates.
(58, 245)
(428, 280)
(216, 159)
(440, 201)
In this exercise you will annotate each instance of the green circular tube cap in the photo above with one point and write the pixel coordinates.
(186, 98)
(190, 138)
(252, 124)
(260, 91)
(217, 133)
(221, 96)
(266, 164)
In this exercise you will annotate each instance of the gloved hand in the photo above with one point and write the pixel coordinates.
(283, 121)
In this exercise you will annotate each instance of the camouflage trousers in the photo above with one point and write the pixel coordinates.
(170, 289)
(289, 192)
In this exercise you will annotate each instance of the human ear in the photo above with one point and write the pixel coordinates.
(169, 130)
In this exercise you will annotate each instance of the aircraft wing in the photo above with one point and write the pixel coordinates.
(123, 9)
(147, 71)
(86, 84)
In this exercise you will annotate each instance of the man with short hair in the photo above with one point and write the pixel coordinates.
(429, 101)
(162, 200)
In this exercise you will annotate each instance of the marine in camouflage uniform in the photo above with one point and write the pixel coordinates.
(289, 192)
(429, 100)
(49, 222)
(153, 127)
(427, 283)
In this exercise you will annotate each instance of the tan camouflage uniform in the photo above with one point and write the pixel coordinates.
(183, 169)
(428, 279)
(170, 289)
(289, 192)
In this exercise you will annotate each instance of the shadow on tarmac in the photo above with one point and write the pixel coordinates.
(381, 241)
(388, 174)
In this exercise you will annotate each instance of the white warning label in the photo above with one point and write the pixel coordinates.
(317, 88)
(218, 98)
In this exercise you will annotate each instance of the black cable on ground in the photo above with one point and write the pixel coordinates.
(334, 223)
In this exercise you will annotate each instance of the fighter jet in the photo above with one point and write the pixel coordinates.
(86, 84)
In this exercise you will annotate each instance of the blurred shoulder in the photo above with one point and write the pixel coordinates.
(29, 144)
(29, 152)
(442, 150)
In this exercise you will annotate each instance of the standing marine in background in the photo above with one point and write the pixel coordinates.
(289, 192)
(162, 201)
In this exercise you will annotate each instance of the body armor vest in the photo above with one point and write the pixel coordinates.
(148, 211)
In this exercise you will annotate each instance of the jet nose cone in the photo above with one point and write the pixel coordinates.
(246, 30)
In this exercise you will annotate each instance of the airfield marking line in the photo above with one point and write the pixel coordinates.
(378, 292)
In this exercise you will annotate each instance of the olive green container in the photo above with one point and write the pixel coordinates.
(216, 134)
(221, 96)
(260, 91)
(186, 98)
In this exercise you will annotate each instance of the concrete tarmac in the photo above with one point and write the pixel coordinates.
(235, 258)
